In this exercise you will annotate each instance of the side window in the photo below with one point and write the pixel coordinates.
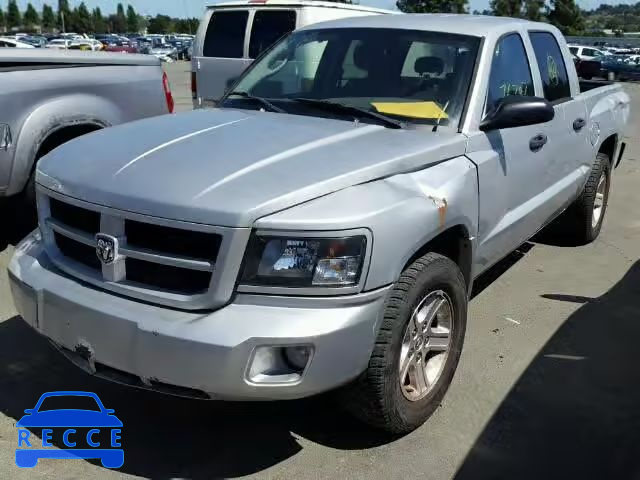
(553, 71)
(225, 34)
(510, 73)
(589, 52)
(573, 50)
(269, 26)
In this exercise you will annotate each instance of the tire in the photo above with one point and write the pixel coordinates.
(583, 218)
(377, 397)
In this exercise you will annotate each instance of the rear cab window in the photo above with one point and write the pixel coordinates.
(510, 72)
(268, 26)
(553, 71)
(226, 34)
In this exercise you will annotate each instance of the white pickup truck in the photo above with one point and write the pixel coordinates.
(324, 227)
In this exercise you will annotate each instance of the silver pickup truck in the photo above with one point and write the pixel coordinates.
(50, 97)
(324, 227)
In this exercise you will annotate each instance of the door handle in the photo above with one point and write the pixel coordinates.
(578, 124)
(537, 142)
(5, 136)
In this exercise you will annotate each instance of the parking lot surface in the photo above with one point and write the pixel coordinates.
(547, 386)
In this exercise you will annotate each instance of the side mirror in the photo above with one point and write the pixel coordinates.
(29, 411)
(518, 111)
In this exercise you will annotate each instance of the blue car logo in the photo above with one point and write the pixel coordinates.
(89, 432)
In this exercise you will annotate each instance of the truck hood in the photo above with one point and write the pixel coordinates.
(230, 167)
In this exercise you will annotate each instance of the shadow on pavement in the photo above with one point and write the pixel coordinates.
(15, 223)
(574, 413)
(168, 437)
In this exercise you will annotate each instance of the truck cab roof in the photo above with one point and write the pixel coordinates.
(462, 24)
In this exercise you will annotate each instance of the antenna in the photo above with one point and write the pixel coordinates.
(444, 110)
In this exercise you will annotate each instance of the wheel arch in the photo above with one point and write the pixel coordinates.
(453, 243)
(608, 147)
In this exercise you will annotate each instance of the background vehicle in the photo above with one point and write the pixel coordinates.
(587, 53)
(36, 41)
(60, 102)
(587, 69)
(11, 43)
(87, 44)
(221, 51)
(59, 44)
(121, 46)
(370, 170)
(617, 68)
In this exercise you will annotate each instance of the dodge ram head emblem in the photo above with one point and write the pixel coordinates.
(106, 248)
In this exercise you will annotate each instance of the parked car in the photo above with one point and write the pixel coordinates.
(221, 52)
(587, 53)
(617, 68)
(121, 47)
(87, 44)
(324, 227)
(49, 97)
(59, 44)
(11, 43)
(587, 69)
(163, 51)
(181, 46)
(36, 41)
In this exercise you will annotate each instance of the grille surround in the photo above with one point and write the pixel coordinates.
(223, 272)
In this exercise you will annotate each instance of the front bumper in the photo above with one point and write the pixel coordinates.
(121, 339)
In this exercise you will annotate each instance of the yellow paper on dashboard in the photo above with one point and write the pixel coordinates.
(429, 110)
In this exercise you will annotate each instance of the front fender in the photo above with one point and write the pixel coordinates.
(404, 212)
(47, 118)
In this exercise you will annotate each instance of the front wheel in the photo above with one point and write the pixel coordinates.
(417, 349)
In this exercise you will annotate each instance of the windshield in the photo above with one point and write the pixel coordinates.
(415, 76)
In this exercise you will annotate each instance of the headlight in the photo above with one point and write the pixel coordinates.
(304, 262)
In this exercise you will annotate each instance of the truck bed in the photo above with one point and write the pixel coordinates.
(39, 57)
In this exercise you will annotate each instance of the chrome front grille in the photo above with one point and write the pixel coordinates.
(174, 263)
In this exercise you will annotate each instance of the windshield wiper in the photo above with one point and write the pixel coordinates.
(350, 109)
(262, 101)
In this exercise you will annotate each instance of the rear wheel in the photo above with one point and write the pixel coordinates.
(583, 219)
(417, 349)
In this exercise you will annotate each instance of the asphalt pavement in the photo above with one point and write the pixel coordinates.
(548, 385)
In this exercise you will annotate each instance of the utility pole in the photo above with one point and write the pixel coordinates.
(62, 17)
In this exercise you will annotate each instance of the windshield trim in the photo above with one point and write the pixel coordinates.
(464, 111)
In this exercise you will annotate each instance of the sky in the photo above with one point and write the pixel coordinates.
(194, 8)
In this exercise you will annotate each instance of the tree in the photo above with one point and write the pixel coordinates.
(48, 18)
(2, 20)
(160, 24)
(81, 19)
(98, 23)
(13, 15)
(566, 15)
(64, 14)
(506, 8)
(132, 20)
(120, 24)
(31, 17)
(533, 9)
(432, 6)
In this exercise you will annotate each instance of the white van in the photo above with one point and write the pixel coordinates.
(231, 35)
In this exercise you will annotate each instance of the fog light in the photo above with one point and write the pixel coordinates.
(298, 356)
